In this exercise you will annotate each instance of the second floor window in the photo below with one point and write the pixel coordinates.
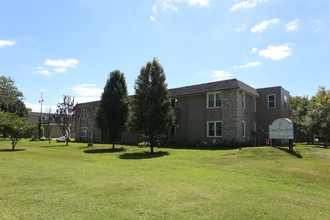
(243, 100)
(83, 113)
(254, 104)
(271, 99)
(214, 100)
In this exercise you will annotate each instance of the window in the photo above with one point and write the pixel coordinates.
(83, 132)
(214, 100)
(243, 129)
(44, 117)
(285, 100)
(83, 113)
(243, 100)
(271, 98)
(214, 129)
(254, 127)
(254, 104)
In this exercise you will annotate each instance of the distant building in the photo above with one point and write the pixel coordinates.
(210, 112)
(47, 120)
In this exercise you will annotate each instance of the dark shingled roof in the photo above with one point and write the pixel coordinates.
(88, 105)
(213, 87)
(196, 89)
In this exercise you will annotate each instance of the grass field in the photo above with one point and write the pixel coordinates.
(52, 181)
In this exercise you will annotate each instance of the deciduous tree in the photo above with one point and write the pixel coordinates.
(66, 116)
(16, 127)
(11, 98)
(152, 113)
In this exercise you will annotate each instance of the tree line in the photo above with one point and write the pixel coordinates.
(312, 115)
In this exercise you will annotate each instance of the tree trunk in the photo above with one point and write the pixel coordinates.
(151, 143)
(67, 142)
(113, 145)
(13, 145)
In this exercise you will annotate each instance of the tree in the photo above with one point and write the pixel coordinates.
(11, 98)
(312, 115)
(317, 118)
(15, 126)
(152, 113)
(112, 114)
(66, 117)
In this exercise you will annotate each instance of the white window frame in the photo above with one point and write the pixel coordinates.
(243, 100)
(215, 130)
(83, 134)
(254, 104)
(243, 129)
(272, 101)
(214, 99)
(254, 127)
(83, 113)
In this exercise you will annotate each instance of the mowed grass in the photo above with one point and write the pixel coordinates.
(54, 181)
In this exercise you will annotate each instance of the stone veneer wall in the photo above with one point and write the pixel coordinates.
(240, 118)
(229, 114)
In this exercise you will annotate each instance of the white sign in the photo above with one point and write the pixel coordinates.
(281, 128)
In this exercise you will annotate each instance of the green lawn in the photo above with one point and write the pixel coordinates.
(48, 181)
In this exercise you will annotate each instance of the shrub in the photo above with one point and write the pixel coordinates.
(144, 144)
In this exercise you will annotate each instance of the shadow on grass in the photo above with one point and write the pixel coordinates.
(102, 151)
(293, 153)
(143, 155)
(10, 150)
(201, 148)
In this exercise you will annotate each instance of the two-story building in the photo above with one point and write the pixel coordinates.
(210, 112)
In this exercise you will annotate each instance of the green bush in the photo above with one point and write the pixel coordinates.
(144, 144)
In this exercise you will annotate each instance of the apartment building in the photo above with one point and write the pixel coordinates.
(209, 112)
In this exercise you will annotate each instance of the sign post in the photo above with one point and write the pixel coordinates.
(282, 128)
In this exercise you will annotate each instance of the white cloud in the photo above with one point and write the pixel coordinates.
(87, 90)
(318, 24)
(37, 107)
(62, 63)
(152, 18)
(254, 50)
(154, 9)
(220, 75)
(292, 25)
(277, 52)
(43, 72)
(246, 4)
(61, 70)
(194, 2)
(259, 28)
(252, 64)
(167, 5)
(42, 90)
(242, 27)
(7, 43)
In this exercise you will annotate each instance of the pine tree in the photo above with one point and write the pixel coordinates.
(112, 114)
(152, 113)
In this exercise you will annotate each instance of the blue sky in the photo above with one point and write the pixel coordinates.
(69, 47)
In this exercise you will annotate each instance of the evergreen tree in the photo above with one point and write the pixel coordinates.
(152, 113)
(112, 114)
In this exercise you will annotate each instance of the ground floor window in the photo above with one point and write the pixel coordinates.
(214, 129)
(83, 132)
(254, 127)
